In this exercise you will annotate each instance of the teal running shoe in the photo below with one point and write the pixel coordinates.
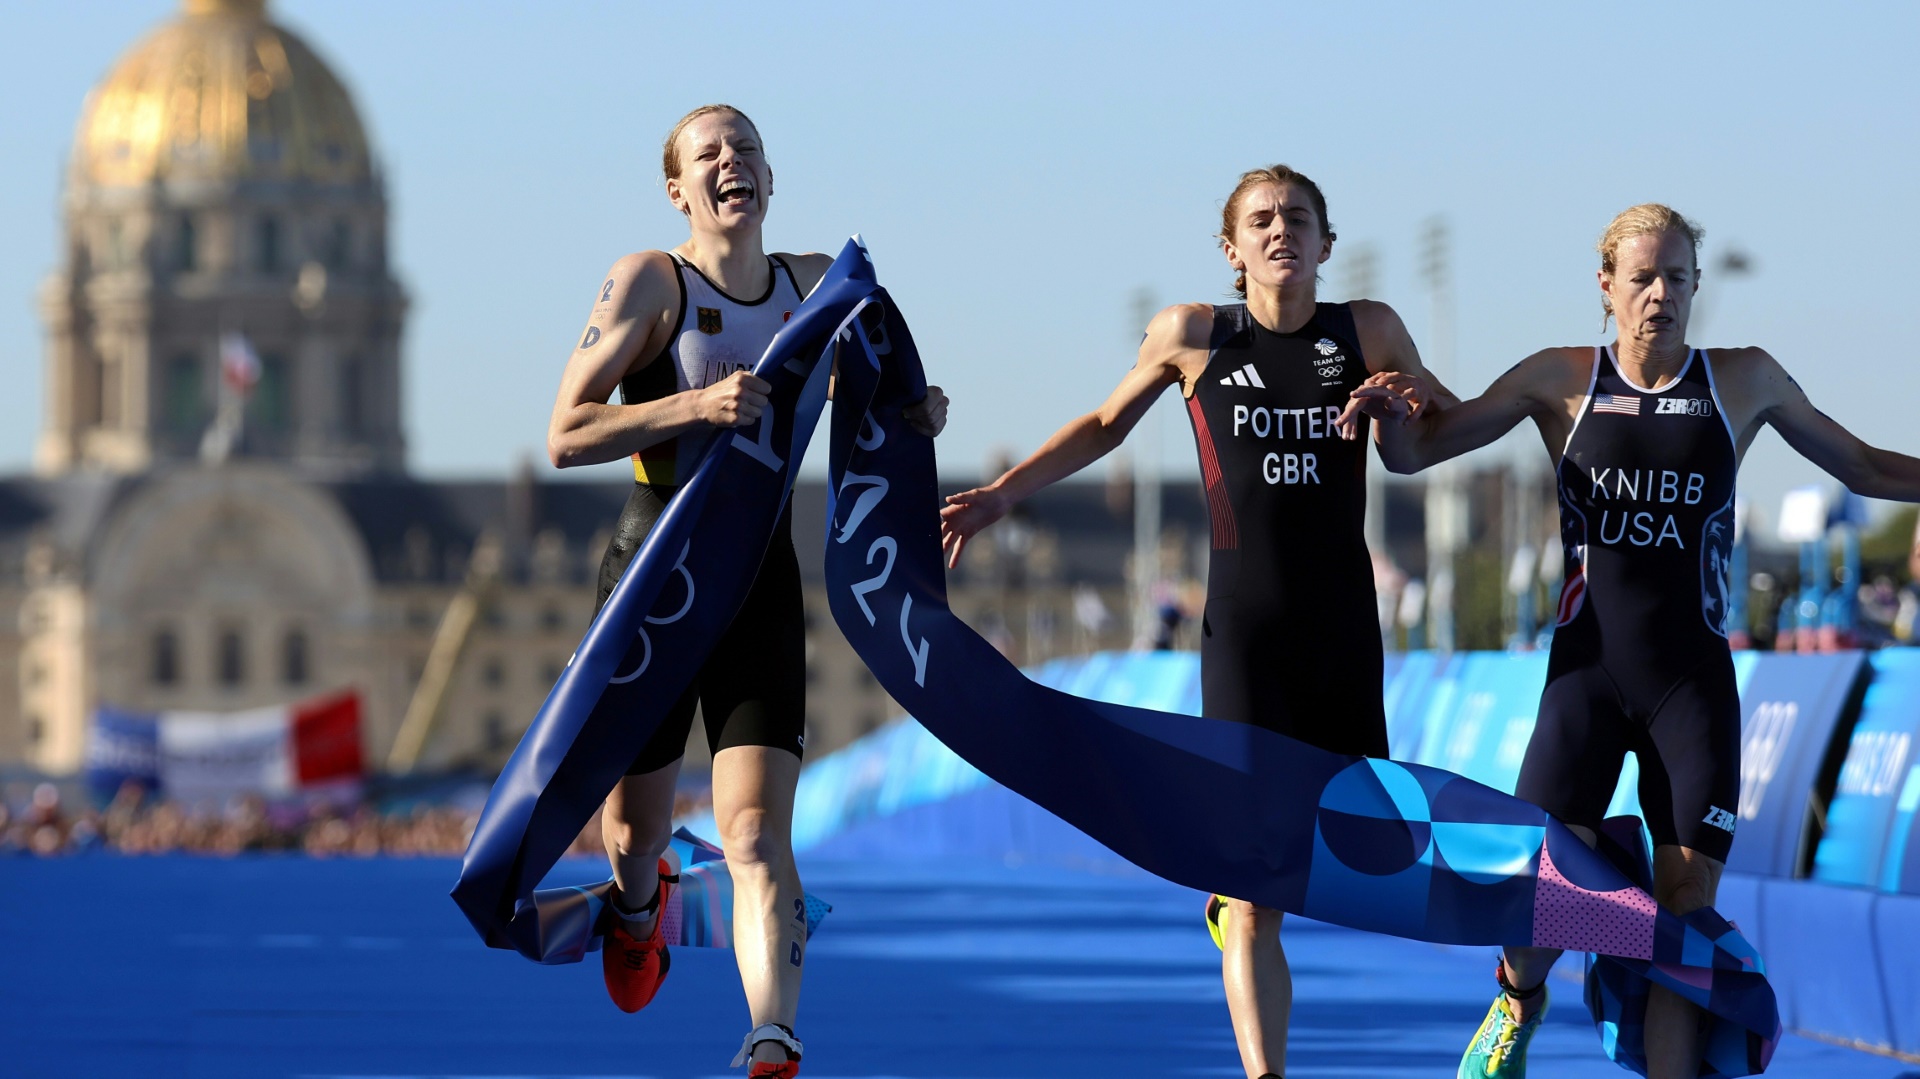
(1499, 1050)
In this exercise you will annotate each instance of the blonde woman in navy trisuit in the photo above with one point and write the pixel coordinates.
(1646, 435)
(676, 333)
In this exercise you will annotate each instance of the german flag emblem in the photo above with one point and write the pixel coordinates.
(709, 322)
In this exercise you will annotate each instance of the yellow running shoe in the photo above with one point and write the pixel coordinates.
(1499, 1050)
(1217, 920)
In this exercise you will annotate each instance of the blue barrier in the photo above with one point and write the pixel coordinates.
(990, 825)
(1790, 707)
(869, 795)
(1838, 955)
(1896, 928)
(1840, 959)
(1480, 716)
(894, 769)
(1903, 854)
(1165, 681)
(1470, 713)
(1412, 678)
(1867, 831)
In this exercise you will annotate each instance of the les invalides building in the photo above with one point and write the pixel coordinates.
(221, 185)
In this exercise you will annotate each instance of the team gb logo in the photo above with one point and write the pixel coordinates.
(1328, 364)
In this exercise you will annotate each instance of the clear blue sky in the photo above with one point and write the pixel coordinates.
(1020, 170)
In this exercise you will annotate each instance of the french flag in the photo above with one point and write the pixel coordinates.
(239, 364)
(311, 747)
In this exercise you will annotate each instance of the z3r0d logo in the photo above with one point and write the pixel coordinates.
(1683, 406)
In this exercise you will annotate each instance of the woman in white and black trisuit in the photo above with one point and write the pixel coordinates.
(677, 333)
(1290, 620)
(1646, 436)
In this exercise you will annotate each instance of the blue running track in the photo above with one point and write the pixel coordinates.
(262, 967)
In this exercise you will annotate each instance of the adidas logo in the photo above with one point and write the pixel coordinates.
(1246, 376)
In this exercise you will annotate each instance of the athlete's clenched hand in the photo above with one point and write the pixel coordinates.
(1387, 395)
(965, 515)
(929, 415)
(738, 399)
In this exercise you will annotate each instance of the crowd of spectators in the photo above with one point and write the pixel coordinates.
(134, 822)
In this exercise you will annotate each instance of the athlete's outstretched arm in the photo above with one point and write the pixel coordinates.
(1399, 388)
(633, 314)
(1866, 470)
(1524, 392)
(1174, 339)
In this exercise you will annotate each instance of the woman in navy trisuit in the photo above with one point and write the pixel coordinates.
(1646, 435)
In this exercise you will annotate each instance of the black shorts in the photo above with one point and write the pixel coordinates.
(1686, 734)
(752, 690)
(1317, 679)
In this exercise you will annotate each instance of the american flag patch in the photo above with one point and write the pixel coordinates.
(1613, 402)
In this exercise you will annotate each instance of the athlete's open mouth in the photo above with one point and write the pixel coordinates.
(736, 193)
(1282, 256)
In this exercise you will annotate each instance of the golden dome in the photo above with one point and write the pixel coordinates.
(219, 94)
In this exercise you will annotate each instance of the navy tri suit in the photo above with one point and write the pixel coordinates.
(1640, 660)
(1291, 639)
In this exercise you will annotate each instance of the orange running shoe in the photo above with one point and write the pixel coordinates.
(634, 969)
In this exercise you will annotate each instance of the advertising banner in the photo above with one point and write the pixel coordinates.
(1870, 820)
(1788, 709)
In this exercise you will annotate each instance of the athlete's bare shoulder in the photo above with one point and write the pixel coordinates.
(1374, 315)
(1183, 327)
(652, 260)
(1567, 367)
(1178, 343)
(638, 286)
(808, 269)
(642, 264)
(1384, 341)
(1750, 381)
(1747, 362)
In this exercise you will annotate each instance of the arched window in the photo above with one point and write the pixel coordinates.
(231, 664)
(267, 249)
(164, 665)
(183, 403)
(186, 248)
(353, 396)
(293, 658)
(272, 402)
(110, 390)
(340, 245)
